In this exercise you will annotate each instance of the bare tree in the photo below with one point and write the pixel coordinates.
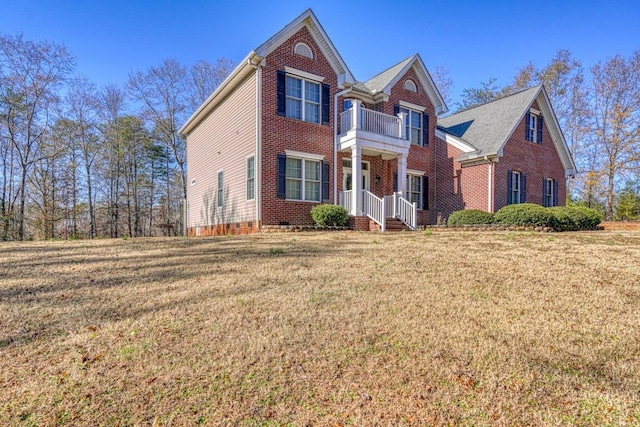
(32, 73)
(204, 79)
(615, 110)
(442, 78)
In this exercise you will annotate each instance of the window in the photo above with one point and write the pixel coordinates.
(220, 189)
(251, 178)
(549, 192)
(303, 50)
(410, 86)
(414, 190)
(533, 127)
(413, 125)
(516, 187)
(302, 99)
(302, 179)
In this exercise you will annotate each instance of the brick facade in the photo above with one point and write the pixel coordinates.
(281, 133)
(536, 161)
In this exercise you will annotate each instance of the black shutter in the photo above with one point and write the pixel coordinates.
(509, 187)
(544, 192)
(523, 188)
(526, 126)
(425, 193)
(396, 109)
(425, 130)
(326, 99)
(395, 182)
(555, 193)
(282, 100)
(539, 129)
(282, 176)
(326, 173)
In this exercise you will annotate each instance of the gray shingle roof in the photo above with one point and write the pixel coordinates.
(487, 126)
(379, 82)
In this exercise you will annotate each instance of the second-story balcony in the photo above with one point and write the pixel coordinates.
(373, 131)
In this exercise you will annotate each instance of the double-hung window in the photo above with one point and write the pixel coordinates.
(533, 128)
(514, 195)
(251, 178)
(302, 99)
(414, 190)
(302, 179)
(549, 192)
(413, 125)
(220, 189)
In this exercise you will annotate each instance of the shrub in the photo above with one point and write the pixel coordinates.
(525, 214)
(328, 215)
(469, 217)
(590, 218)
(564, 218)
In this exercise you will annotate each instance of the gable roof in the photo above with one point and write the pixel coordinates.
(254, 58)
(384, 81)
(489, 126)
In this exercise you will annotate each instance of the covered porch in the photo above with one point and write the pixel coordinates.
(364, 133)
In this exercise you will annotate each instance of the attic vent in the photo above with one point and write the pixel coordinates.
(410, 85)
(303, 50)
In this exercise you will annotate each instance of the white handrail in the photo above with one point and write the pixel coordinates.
(345, 200)
(407, 212)
(371, 121)
(389, 206)
(374, 208)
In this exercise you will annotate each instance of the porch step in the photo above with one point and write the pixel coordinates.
(392, 224)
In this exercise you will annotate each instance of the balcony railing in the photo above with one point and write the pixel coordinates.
(371, 121)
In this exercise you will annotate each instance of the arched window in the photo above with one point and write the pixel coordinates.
(303, 50)
(410, 85)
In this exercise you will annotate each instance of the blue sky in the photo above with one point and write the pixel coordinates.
(476, 40)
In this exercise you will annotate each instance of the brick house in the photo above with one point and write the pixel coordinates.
(291, 128)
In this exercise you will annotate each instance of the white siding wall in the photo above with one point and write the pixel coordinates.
(223, 141)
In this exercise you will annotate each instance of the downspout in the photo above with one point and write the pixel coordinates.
(258, 158)
(489, 185)
(335, 143)
(185, 208)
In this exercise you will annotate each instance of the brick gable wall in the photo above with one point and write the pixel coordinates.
(536, 161)
(280, 133)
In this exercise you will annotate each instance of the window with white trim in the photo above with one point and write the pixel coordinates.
(303, 50)
(548, 192)
(413, 125)
(302, 179)
(514, 196)
(302, 99)
(533, 131)
(251, 178)
(414, 190)
(220, 189)
(410, 86)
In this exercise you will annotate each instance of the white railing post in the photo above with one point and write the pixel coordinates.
(414, 216)
(384, 216)
(403, 130)
(356, 106)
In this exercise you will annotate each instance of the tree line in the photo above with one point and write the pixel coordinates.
(599, 114)
(79, 161)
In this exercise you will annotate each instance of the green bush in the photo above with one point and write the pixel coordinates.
(589, 218)
(470, 217)
(565, 218)
(524, 214)
(329, 215)
(572, 218)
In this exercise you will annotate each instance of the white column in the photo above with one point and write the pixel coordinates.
(402, 174)
(355, 111)
(356, 180)
(403, 130)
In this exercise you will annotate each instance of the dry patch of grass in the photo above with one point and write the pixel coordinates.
(323, 329)
(621, 225)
